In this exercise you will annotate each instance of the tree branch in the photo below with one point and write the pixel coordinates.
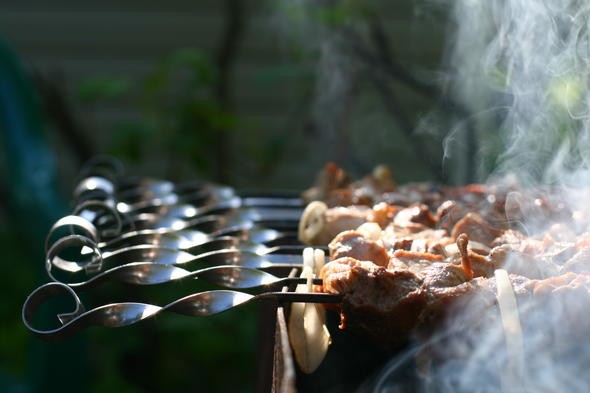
(382, 59)
(58, 110)
(225, 60)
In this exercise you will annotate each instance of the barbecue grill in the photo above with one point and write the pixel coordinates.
(144, 232)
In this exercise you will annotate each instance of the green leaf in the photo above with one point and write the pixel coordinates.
(195, 61)
(103, 87)
(268, 76)
(130, 139)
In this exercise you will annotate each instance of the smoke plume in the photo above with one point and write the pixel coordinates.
(522, 66)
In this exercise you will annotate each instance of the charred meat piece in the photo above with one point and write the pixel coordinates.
(383, 214)
(340, 219)
(388, 305)
(384, 305)
(477, 228)
(514, 261)
(412, 260)
(579, 263)
(509, 236)
(319, 224)
(431, 241)
(353, 244)
(567, 299)
(329, 180)
(415, 218)
(448, 213)
(333, 186)
(369, 190)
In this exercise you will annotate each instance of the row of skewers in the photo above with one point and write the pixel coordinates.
(146, 231)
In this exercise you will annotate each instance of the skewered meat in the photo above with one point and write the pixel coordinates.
(331, 183)
(339, 219)
(476, 228)
(334, 187)
(382, 303)
(579, 263)
(319, 224)
(386, 304)
(353, 244)
(448, 213)
(415, 218)
(436, 249)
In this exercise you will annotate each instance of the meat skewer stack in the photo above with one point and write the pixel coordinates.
(418, 260)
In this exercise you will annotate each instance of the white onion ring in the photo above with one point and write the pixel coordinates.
(308, 334)
(512, 331)
(312, 221)
(319, 260)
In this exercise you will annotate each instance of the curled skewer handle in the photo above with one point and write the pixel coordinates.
(110, 315)
(94, 264)
(85, 210)
(40, 295)
(75, 224)
(146, 264)
(94, 187)
(125, 314)
(105, 166)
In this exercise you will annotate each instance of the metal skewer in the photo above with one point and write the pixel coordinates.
(125, 314)
(145, 231)
(244, 237)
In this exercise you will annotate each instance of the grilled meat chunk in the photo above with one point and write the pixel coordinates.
(353, 244)
(384, 305)
(415, 218)
(477, 228)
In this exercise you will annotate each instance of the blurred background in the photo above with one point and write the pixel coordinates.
(252, 94)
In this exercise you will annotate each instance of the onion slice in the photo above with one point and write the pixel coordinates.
(308, 333)
(312, 221)
(512, 331)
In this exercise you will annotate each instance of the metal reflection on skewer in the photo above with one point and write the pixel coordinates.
(152, 245)
(231, 268)
(102, 263)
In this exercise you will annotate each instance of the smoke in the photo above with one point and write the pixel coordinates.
(523, 68)
(524, 64)
(314, 30)
(471, 355)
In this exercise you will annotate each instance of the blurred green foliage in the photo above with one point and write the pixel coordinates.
(332, 15)
(102, 87)
(179, 113)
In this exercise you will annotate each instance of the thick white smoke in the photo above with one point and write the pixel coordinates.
(523, 68)
(525, 65)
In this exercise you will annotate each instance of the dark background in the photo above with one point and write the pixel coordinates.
(252, 94)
